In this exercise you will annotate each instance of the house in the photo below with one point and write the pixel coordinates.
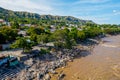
(8, 23)
(4, 46)
(3, 22)
(22, 25)
(8, 61)
(52, 28)
(23, 33)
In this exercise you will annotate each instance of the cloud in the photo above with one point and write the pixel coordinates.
(26, 5)
(100, 11)
(100, 19)
(116, 12)
(94, 8)
(91, 1)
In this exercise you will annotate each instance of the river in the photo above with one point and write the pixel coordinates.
(102, 64)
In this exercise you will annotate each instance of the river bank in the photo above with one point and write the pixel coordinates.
(57, 65)
(38, 67)
(102, 64)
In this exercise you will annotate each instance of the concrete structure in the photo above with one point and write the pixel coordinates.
(3, 22)
(4, 46)
(23, 33)
(22, 25)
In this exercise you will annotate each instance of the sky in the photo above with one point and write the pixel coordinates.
(99, 11)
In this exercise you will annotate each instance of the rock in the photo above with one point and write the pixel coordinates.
(61, 76)
(53, 71)
(29, 62)
(47, 77)
(40, 76)
(63, 67)
(39, 67)
(47, 56)
(70, 60)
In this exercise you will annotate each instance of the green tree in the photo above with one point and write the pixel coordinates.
(43, 38)
(23, 43)
(92, 32)
(33, 37)
(73, 33)
(62, 39)
(33, 30)
(15, 25)
(2, 38)
(80, 35)
(8, 33)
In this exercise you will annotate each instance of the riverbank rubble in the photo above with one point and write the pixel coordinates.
(38, 67)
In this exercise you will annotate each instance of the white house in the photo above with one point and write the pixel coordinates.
(22, 33)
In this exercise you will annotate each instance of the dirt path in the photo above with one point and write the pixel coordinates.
(102, 64)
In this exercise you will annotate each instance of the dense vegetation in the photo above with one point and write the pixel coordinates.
(63, 37)
(7, 34)
(66, 38)
(24, 43)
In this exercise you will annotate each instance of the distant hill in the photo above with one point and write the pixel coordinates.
(16, 15)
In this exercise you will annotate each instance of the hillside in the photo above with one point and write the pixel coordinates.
(16, 15)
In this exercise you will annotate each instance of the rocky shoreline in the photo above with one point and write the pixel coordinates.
(38, 68)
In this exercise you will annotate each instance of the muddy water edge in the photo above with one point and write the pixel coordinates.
(102, 64)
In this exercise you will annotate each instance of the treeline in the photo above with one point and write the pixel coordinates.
(7, 34)
(61, 38)
(66, 38)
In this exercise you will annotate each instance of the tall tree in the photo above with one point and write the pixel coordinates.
(62, 39)
(15, 25)
(2, 38)
(8, 33)
(42, 38)
(23, 43)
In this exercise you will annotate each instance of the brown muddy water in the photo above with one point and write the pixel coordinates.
(102, 64)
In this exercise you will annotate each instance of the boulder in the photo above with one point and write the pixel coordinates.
(61, 76)
(47, 77)
(52, 71)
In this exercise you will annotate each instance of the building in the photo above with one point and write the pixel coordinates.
(3, 22)
(8, 61)
(23, 33)
(4, 46)
(28, 25)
